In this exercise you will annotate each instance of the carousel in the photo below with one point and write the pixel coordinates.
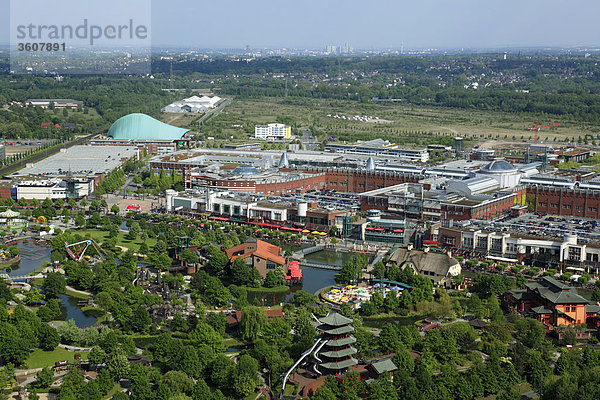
(10, 219)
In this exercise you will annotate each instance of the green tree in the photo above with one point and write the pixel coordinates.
(117, 365)
(389, 339)
(253, 322)
(134, 231)
(530, 332)
(97, 356)
(80, 220)
(13, 348)
(54, 285)
(69, 332)
(49, 337)
(44, 378)
(141, 320)
(303, 298)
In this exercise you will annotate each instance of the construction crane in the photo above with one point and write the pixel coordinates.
(537, 129)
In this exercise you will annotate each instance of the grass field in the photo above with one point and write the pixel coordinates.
(409, 123)
(40, 358)
(116, 389)
(100, 236)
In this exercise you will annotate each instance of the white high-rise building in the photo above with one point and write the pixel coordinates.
(272, 131)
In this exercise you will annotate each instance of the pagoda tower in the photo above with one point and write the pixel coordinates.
(336, 354)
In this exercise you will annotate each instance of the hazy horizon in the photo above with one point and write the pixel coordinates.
(378, 25)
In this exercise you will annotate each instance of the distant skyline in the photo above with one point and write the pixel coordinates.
(377, 24)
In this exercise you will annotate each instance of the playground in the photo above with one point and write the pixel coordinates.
(356, 295)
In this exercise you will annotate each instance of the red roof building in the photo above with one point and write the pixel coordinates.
(263, 256)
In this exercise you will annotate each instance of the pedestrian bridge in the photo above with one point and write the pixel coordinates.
(21, 277)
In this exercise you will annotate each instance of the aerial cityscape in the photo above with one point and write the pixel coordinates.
(327, 201)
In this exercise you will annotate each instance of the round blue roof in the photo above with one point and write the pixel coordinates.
(245, 170)
(144, 127)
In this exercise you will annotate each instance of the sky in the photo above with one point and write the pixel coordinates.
(371, 24)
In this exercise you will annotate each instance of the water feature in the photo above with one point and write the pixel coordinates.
(32, 257)
(313, 279)
(70, 310)
(329, 257)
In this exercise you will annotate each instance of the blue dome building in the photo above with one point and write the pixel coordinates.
(143, 127)
(245, 170)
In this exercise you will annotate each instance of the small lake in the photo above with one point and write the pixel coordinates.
(314, 279)
(330, 257)
(70, 310)
(32, 257)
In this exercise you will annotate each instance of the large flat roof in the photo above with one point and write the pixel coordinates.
(81, 160)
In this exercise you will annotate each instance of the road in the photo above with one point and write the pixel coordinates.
(78, 291)
(74, 348)
(214, 112)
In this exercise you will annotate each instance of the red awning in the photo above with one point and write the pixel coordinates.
(430, 242)
(397, 231)
(219, 218)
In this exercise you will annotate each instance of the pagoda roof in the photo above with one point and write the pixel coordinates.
(335, 319)
(341, 342)
(336, 331)
(349, 351)
(340, 364)
(384, 366)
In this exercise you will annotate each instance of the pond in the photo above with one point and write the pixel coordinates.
(32, 258)
(329, 257)
(313, 279)
(70, 310)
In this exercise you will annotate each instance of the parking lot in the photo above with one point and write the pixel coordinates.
(329, 199)
(545, 225)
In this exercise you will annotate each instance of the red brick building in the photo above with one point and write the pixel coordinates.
(360, 181)
(581, 203)
(260, 184)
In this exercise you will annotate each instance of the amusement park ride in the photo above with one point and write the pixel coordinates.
(77, 250)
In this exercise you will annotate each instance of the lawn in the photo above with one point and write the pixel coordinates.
(100, 236)
(40, 358)
(276, 289)
(117, 388)
(77, 295)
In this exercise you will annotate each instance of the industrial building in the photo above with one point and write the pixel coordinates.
(192, 104)
(57, 103)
